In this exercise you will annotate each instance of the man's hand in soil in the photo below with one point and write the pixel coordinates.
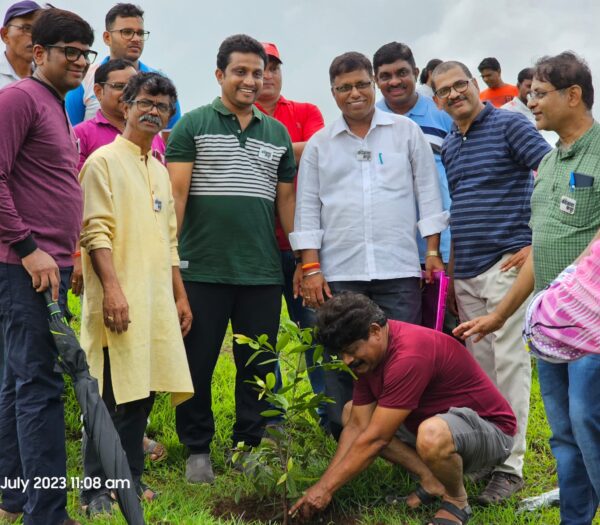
(315, 499)
(44, 272)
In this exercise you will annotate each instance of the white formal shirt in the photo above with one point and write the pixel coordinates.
(356, 199)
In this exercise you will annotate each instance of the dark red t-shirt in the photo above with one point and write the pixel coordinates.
(428, 372)
(302, 121)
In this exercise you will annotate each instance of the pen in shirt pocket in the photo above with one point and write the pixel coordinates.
(381, 158)
(572, 181)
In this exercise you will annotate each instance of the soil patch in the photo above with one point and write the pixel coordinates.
(251, 510)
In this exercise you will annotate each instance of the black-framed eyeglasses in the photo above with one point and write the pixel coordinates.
(117, 86)
(460, 86)
(347, 88)
(538, 95)
(129, 33)
(24, 28)
(72, 53)
(144, 104)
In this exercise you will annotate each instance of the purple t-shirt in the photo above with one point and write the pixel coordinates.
(40, 195)
(428, 372)
(98, 131)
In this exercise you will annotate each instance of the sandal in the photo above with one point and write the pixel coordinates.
(154, 450)
(463, 515)
(425, 497)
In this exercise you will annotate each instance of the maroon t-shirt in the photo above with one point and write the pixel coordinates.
(428, 372)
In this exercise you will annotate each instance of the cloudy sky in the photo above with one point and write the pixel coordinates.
(185, 35)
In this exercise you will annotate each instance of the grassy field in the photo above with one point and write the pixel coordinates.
(363, 499)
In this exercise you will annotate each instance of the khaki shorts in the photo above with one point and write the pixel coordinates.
(480, 443)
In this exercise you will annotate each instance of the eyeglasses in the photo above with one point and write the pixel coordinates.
(402, 73)
(128, 33)
(460, 86)
(25, 28)
(146, 105)
(537, 95)
(72, 54)
(347, 88)
(117, 86)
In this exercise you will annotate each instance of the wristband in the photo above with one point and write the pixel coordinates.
(76, 254)
(314, 272)
(311, 266)
(432, 253)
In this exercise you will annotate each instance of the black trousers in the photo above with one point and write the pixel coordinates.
(253, 310)
(130, 420)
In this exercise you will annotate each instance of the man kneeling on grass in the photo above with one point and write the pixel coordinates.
(421, 401)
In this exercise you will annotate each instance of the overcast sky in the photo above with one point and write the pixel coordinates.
(185, 35)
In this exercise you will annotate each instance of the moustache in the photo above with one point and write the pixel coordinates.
(354, 365)
(153, 119)
(457, 99)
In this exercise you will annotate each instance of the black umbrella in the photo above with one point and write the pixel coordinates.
(96, 419)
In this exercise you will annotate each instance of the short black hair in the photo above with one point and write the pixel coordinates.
(525, 74)
(154, 84)
(389, 53)
(428, 69)
(57, 25)
(565, 70)
(447, 66)
(124, 11)
(345, 319)
(489, 63)
(349, 62)
(239, 44)
(116, 64)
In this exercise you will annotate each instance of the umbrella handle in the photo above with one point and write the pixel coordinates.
(52, 306)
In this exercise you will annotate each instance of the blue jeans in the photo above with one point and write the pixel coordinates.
(571, 394)
(32, 423)
(305, 318)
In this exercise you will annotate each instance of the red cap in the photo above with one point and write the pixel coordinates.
(271, 50)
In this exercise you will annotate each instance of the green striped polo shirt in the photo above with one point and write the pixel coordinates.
(228, 230)
(564, 219)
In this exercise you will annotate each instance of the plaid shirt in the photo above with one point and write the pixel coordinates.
(559, 236)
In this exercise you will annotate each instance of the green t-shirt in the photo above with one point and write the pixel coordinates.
(228, 230)
(565, 219)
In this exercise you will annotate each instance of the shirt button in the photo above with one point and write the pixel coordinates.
(239, 130)
(232, 118)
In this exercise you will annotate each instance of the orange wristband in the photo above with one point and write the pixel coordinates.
(76, 254)
(311, 266)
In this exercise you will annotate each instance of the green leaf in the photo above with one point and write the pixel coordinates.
(242, 339)
(282, 342)
(282, 478)
(270, 380)
(271, 413)
(290, 464)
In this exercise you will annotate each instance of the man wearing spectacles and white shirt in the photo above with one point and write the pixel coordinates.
(125, 37)
(17, 60)
(359, 182)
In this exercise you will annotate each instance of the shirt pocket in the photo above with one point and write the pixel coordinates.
(587, 206)
(393, 172)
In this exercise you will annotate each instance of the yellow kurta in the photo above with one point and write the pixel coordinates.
(122, 189)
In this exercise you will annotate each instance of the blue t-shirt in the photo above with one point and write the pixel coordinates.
(81, 103)
(435, 125)
(490, 181)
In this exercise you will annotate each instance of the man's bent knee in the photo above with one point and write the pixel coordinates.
(434, 439)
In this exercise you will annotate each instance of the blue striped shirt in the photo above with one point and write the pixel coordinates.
(490, 182)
